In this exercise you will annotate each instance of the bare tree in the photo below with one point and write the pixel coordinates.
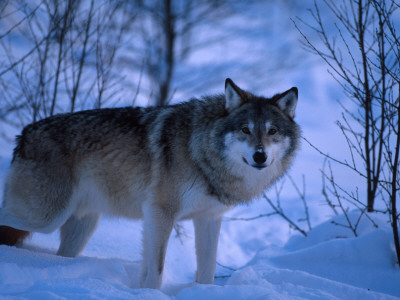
(165, 37)
(364, 59)
(390, 38)
(60, 56)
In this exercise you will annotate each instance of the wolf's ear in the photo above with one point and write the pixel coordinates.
(287, 101)
(234, 96)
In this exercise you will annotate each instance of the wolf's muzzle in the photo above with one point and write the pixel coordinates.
(260, 157)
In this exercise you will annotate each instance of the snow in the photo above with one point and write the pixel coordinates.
(328, 264)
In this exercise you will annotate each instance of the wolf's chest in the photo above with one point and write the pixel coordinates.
(196, 201)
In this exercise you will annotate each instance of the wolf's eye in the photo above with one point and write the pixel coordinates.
(245, 130)
(272, 131)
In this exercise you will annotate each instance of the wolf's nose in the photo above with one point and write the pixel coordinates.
(260, 157)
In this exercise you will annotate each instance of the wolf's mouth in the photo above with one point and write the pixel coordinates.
(256, 166)
(259, 167)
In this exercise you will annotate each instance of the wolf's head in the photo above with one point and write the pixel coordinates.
(259, 131)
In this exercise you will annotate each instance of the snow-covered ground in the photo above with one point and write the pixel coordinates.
(259, 259)
(328, 264)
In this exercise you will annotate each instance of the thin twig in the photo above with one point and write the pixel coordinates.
(280, 212)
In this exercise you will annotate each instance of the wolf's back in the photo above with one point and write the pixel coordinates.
(64, 135)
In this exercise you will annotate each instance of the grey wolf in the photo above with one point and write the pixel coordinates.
(193, 160)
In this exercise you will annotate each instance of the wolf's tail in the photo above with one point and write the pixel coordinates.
(11, 236)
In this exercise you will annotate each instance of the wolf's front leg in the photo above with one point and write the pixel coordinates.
(207, 234)
(157, 227)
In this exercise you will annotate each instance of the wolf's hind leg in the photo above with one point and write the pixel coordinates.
(75, 234)
(206, 241)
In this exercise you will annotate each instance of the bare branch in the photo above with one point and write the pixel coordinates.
(280, 212)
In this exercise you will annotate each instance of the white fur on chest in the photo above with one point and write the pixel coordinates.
(196, 201)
